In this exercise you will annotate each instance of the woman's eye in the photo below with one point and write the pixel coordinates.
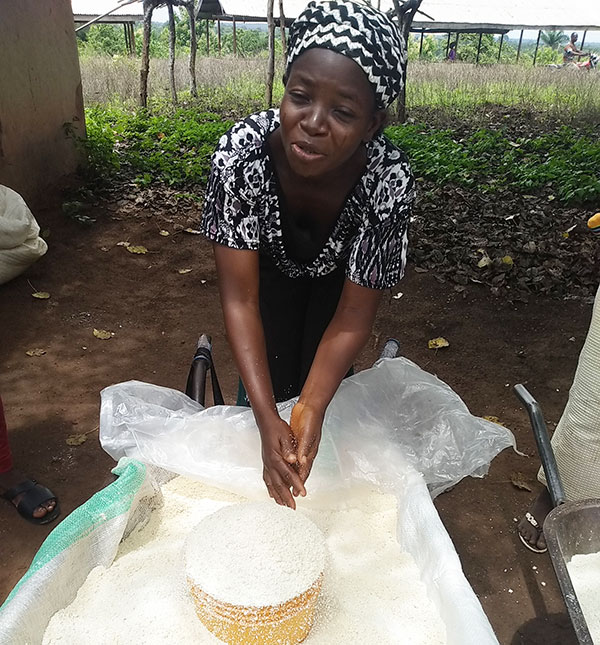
(298, 97)
(345, 114)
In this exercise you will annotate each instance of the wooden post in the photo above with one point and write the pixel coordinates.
(126, 34)
(447, 45)
(207, 39)
(537, 44)
(479, 47)
(583, 40)
(132, 39)
(456, 46)
(145, 68)
(219, 35)
(234, 38)
(519, 47)
(271, 62)
(500, 48)
(421, 44)
(193, 47)
(282, 30)
(172, 52)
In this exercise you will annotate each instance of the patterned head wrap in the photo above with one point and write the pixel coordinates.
(357, 31)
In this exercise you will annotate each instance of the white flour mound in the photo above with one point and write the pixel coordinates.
(585, 576)
(372, 593)
(255, 554)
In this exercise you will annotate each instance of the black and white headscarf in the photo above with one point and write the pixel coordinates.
(357, 31)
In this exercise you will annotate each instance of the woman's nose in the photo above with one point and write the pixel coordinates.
(314, 122)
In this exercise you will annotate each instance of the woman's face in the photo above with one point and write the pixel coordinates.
(327, 111)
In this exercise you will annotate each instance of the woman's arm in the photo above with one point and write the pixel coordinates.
(238, 278)
(343, 339)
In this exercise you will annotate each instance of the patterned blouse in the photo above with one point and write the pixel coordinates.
(242, 208)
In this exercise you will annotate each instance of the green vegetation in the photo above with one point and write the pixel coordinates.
(174, 147)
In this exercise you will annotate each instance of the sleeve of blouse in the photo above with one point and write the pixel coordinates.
(378, 255)
(229, 216)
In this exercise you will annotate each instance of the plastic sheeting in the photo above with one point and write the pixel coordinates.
(378, 418)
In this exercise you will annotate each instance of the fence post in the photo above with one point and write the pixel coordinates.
(537, 44)
(519, 47)
(500, 48)
(479, 47)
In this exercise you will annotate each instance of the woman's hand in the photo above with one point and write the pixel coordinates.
(306, 423)
(279, 457)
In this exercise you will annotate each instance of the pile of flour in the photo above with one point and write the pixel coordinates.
(371, 594)
(584, 571)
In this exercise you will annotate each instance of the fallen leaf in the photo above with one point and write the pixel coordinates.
(104, 248)
(551, 198)
(202, 281)
(102, 334)
(164, 233)
(182, 271)
(42, 295)
(493, 419)
(193, 231)
(508, 260)
(514, 144)
(485, 259)
(122, 243)
(517, 479)
(76, 439)
(421, 270)
(139, 250)
(437, 343)
(565, 234)
(398, 295)
(38, 351)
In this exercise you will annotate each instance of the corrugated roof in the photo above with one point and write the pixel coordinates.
(93, 8)
(447, 14)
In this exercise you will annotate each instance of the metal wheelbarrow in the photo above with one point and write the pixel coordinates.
(571, 528)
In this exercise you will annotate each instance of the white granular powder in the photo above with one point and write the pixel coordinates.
(584, 570)
(255, 555)
(372, 593)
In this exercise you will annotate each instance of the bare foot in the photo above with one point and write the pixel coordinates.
(13, 478)
(534, 536)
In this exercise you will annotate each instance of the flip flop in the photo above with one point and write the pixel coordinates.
(535, 524)
(34, 496)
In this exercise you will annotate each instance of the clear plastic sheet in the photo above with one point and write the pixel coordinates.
(390, 414)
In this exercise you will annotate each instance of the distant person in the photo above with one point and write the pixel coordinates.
(570, 51)
(452, 52)
(34, 502)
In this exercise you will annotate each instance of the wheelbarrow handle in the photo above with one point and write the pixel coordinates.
(540, 432)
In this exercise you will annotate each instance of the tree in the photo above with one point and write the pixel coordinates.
(553, 39)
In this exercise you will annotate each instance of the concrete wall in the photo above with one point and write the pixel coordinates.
(40, 92)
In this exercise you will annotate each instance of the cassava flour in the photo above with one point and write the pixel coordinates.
(584, 571)
(255, 555)
(371, 594)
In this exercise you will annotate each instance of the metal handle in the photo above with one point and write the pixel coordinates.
(540, 432)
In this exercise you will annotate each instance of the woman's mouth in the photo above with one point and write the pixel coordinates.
(306, 152)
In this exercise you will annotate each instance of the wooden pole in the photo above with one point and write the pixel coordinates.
(583, 40)
(207, 39)
(271, 62)
(447, 45)
(519, 47)
(537, 44)
(172, 52)
(219, 35)
(421, 44)
(132, 39)
(126, 34)
(145, 68)
(456, 46)
(193, 47)
(234, 38)
(479, 47)
(500, 48)
(282, 30)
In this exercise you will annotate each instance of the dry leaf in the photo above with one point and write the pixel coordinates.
(102, 334)
(38, 351)
(193, 231)
(517, 479)
(437, 343)
(508, 260)
(76, 439)
(182, 271)
(565, 234)
(485, 260)
(42, 295)
(122, 243)
(421, 270)
(164, 233)
(140, 250)
(493, 419)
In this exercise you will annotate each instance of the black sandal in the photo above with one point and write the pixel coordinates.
(34, 496)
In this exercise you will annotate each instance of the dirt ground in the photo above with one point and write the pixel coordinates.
(156, 314)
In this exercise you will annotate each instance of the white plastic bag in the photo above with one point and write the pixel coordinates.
(20, 243)
(393, 410)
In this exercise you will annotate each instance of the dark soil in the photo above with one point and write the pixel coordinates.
(156, 314)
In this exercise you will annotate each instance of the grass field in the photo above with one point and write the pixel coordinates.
(235, 86)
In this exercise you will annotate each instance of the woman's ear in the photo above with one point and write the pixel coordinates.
(377, 124)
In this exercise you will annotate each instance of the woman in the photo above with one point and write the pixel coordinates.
(307, 208)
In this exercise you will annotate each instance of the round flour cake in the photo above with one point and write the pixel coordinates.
(255, 555)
